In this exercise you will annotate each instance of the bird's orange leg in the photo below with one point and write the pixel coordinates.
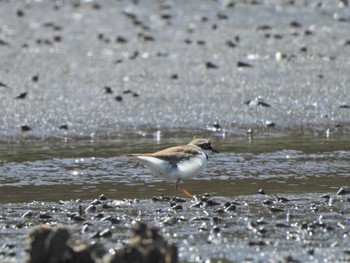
(183, 190)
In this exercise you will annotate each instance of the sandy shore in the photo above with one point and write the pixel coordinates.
(111, 67)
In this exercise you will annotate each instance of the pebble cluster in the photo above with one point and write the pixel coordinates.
(76, 68)
(294, 228)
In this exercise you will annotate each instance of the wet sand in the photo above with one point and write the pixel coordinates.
(84, 83)
(255, 228)
(113, 67)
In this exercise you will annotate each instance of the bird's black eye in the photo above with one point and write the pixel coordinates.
(206, 146)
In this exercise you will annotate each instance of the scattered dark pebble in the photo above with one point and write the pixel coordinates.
(107, 206)
(179, 200)
(145, 37)
(102, 197)
(63, 127)
(111, 219)
(44, 216)
(96, 6)
(211, 202)
(344, 106)
(216, 125)
(222, 16)
(134, 55)
(77, 218)
(220, 211)
(106, 233)
(197, 204)
(276, 209)
(211, 65)
(263, 28)
(281, 199)
(28, 214)
(2, 84)
(121, 40)
(21, 96)
(230, 44)
(277, 36)
(119, 98)
(308, 32)
(161, 198)
(20, 13)
(4, 43)
(99, 215)
(108, 90)
(326, 196)
(95, 202)
(257, 243)
(91, 209)
(25, 128)
(342, 191)
(174, 76)
(165, 16)
(262, 192)
(268, 202)
(257, 102)
(270, 124)
(295, 24)
(231, 207)
(35, 78)
(57, 38)
(242, 64)
(176, 207)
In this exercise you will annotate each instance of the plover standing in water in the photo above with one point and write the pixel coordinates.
(179, 162)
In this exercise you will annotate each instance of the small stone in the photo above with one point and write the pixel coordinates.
(177, 207)
(211, 65)
(103, 197)
(241, 64)
(230, 44)
(270, 124)
(21, 96)
(35, 78)
(342, 191)
(91, 209)
(28, 214)
(25, 128)
(107, 206)
(106, 233)
(276, 209)
(262, 192)
(44, 216)
(113, 220)
(119, 98)
(295, 24)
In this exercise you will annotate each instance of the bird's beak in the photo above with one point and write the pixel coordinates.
(215, 151)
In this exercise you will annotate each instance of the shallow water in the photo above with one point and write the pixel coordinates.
(52, 170)
(35, 174)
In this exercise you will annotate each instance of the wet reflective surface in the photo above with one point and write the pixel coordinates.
(300, 218)
(51, 170)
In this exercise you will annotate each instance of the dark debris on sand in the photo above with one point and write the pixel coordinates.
(168, 229)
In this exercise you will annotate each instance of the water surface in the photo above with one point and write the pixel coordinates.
(61, 169)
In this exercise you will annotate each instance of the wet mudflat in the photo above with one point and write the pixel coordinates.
(83, 83)
(288, 228)
(299, 216)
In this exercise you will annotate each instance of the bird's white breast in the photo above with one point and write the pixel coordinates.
(191, 167)
(184, 169)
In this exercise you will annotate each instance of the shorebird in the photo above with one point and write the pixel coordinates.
(179, 162)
